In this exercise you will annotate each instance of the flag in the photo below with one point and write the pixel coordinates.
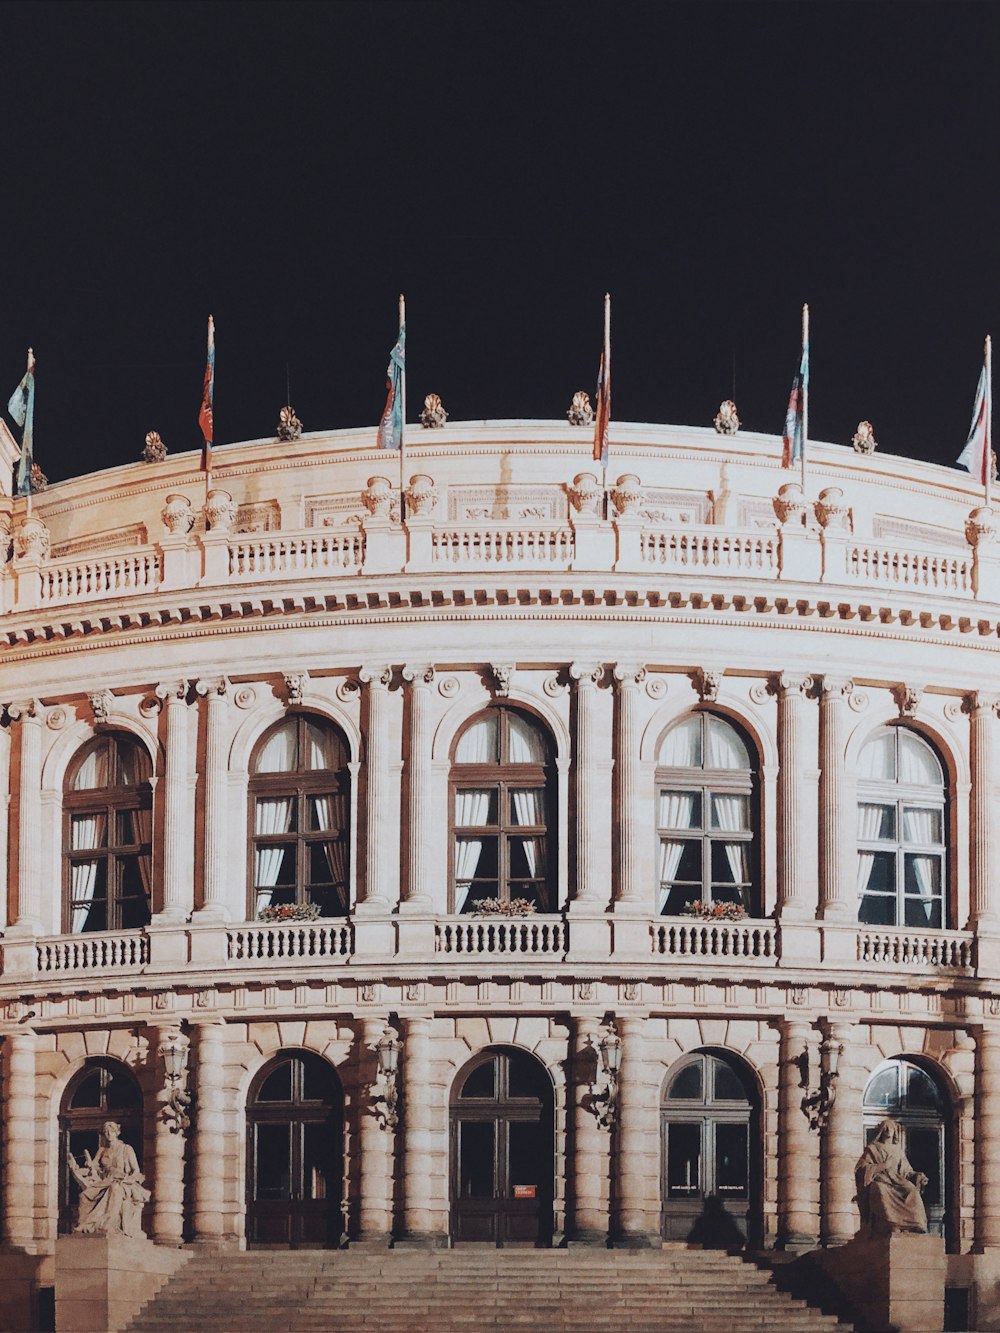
(390, 428)
(602, 409)
(975, 455)
(22, 408)
(205, 418)
(794, 437)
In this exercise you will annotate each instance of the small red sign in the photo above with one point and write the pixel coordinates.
(524, 1191)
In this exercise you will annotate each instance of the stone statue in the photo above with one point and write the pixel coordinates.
(289, 426)
(111, 1190)
(888, 1187)
(580, 412)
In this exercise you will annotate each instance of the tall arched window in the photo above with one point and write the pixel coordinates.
(707, 786)
(501, 802)
(901, 832)
(299, 814)
(102, 1090)
(900, 1090)
(107, 804)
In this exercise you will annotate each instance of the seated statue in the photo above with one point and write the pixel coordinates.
(111, 1190)
(888, 1187)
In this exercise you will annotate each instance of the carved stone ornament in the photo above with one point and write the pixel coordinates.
(656, 687)
(588, 675)
(217, 685)
(289, 426)
(57, 717)
(727, 421)
(448, 686)
(586, 494)
(245, 696)
(503, 674)
(376, 676)
(433, 416)
(31, 539)
(981, 527)
(178, 515)
(418, 675)
(21, 709)
(220, 511)
(790, 505)
(101, 705)
(627, 494)
(295, 684)
(628, 675)
(831, 512)
(421, 495)
(907, 699)
(155, 450)
(863, 439)
(348, 691)
(580, 411)
(377, 497)
(708, 684)
(553, 686)
(39, 481)
(169, 690)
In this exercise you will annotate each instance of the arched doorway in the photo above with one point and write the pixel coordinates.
(712, 1177)
(901, 1090)
(295, 1153)
(502, 1151)
(102, 1090)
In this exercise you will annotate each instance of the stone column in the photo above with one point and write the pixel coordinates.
(796, 830)
(837, 870)
(209, 1140)
(417, 1128)
(5, 748)
(215, 692)
(841, 1144)
(633, 889)
(985, 888)
(168, 1171)
(376, 895)
(588, 1220)
(19, 1167)
(798, 1145)
(591, 800)
(987, 1104)
(421, 815)
(178, 895)
(31, 715)
(634, 1217)
(375, 1147)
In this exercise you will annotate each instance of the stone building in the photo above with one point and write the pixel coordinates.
(698, 685)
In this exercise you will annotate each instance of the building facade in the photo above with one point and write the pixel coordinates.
(500, 742)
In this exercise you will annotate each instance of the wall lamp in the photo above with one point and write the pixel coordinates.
(174, 1048)
(818, 1102)
(606, 1101)
(385, 1089)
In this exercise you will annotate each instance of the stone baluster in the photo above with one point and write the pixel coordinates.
(796, 814)
(588, 1221)
(837, 872)
(375, 1145)
(419, 1217)
(591, 801)
(216, 694)
(420, 809)
(31, 716)
(168, 1150)
(634, 889)
(840, 1147)
(798, 1145)
(987, 1111)
(19, 1169)
(377, 895)
(178, 895)
(985, 895)
(209, 1133)
(635, 1210)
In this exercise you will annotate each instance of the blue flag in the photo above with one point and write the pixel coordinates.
(794, 437)
(22, 408)
(390, 429)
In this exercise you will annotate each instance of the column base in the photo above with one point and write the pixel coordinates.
(429, 1240)
(589, 1240)
(374, 1243)
(418, 904)
(636, 1240)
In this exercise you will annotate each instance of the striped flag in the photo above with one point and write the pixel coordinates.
(975, 455)
(22, 409)
(205, 417)
(390, 428)
(795, 435)
(602, 410)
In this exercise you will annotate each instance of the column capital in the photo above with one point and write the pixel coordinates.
(377, 677)
(787, 683)
(26, 710)
(588, 675)
(629, 675)
(172, 691)
(981, 701)
(832, 688)
(213, 687)
(419, 676)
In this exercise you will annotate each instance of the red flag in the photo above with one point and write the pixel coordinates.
(602, 412)
(205, 420)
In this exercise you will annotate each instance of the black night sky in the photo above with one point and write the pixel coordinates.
(291, 168)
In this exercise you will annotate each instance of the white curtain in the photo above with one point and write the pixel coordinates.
(324, 748)
(678, 809)
(478, 744)
(278, 754)
(144, 830)
(918, 762)
(725, 749)
(529, 806)
(925, 873)
(471, 808)
(681, 746)
(93, 772)
(526, 743)
(670, 859)
(274, 815)
(329, 812)
(87, 831)
(922, 827)
(728, 813)
(869, 826)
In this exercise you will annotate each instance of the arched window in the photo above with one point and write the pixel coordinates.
(901, 832)
(501, 802)
(299, 812)
(900, 1090)
(706, 817)
(108, 810)
(102, 1090)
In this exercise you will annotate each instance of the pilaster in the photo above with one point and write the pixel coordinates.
(635, 1210)
(31, 716)
(837, 883)
(798, 1145)
(797, 831)
(178, 860)
(633, 887)
(592, 824)
(169, 1144)
(375, 1144)
(19, 1166)
(840, 1146)
(209, 1140)
(590, 1170)
(376, 895)
(420, 811)
(215, 691)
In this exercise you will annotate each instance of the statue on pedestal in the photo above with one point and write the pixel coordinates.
(111, 1189)
(888, 1187)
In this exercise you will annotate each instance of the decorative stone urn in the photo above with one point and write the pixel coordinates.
(585, 494)
(981, 527)
(219, 511)
(377, 497)
(433, 416)
(831, 510)
(178, 515)
(727, 421)
(627, 495)
(580, 411)
(31, 539)
(155, 450)
(790, 505)
(421, 496)
(863, 439)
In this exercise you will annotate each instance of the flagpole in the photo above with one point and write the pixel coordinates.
(31, 369)
(989, 418)
(805, 396)
(402, 419)
(607, 381)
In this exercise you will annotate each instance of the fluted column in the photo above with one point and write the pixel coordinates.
(633, 888)
(169, 1142)
(588, 1220)
(215, 693)
(796, 830)
(837, 862)
(591, 800)
(635, 1211)
(417, 1127)
(5, 748)
(841, 1145)
(178, 895)
(421, 814)
(375, 1146)
(987, 1105)
(985, 895)
(798, 1145)
(209, 1141)
(376, 894)
(31, 715)
(19, 1168)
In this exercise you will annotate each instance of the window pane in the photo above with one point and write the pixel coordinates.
(478, 743)
(274, 814)
(525, 1078)
(319, 1169)
(883, 1091)
(89, 831)
(680, 861)
(923, 1149)
(878, 758)
(922, 875)
(323, 747)
(730, 862)
(725, 748)
(133, 765)
(730, 812)
(679, 897)
(526, 741)
(732, 1160)
(134, 913)
(681, 746)
(917, 761)
(680, 809)
(876, 822)
(327, 813)
(686, 1085)
(279, 753)
(527, 858)
(527, 806)
(882, 875)
(330, 901)
(318, 1082)
(134, 827)
(274, 866)
(94, 771)
(482, 1081)
(728, 1087)
(683, 1161)
(476, 808)
(923, 826)
(526, 1156)
(277, 1087)
(921, 1090)
(273, 1174)
(877, 910)
(89, 895)
(922, 913)
(476, 1157)
(326, 863)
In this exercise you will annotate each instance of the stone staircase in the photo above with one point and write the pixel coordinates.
(674, 1290)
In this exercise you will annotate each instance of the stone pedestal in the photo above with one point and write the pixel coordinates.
(103, 1282)
(892, 1282)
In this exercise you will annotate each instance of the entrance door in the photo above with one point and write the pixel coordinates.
(501, 1151)
(295, 1153)
(711, 1160)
